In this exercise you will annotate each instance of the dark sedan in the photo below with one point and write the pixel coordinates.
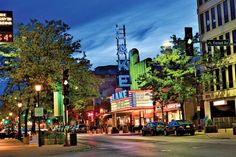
(180, 127)
(153, 128)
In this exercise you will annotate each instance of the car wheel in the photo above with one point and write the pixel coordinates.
(143, 133)
(176, 133)
(152, 133)
(165, 133)
(192, 133)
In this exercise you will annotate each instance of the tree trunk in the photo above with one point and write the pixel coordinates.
(25, 120)
(33, 123)
(154, 110)
(182, 110)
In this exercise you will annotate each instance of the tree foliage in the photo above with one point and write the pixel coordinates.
(173, 77)
(39, 54)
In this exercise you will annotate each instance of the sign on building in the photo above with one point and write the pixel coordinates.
(124, 80)
(218, 43)
(6, 26)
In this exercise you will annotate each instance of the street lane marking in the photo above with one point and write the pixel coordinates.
(165, 150)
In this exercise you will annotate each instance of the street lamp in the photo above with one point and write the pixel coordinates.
(19, 122)
(38, 88)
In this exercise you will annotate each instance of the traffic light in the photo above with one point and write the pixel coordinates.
(48, 121)
(189, 41)
(65, 84)
(6, 122)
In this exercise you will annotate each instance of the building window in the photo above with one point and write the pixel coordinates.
(213, 18)
(223, 74)
(221, 47)
(212, 81)
(217, 79)
(200, 2)
(208, 24)
(228, 47)
(235, 70)
(219, 14)
(203, 48)
(209, 54)
(230, 71)
(202, 24)
(226, 14)
(234, 40)
(232, 9)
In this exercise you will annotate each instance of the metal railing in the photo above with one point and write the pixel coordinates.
(224, 122)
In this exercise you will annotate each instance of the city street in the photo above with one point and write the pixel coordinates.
(158, 146)
(127, 145)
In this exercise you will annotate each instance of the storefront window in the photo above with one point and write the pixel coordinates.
(224, 110)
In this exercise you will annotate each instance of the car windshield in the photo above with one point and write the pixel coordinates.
(184, 122)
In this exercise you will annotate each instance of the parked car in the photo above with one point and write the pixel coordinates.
(153, 128)
(7, 133)
(180, 127)
(81, 128)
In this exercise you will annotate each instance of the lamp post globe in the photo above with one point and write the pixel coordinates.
(38, 87)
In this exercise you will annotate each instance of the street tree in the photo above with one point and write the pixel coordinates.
(39, 54)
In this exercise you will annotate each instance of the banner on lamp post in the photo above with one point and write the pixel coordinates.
(38, 112)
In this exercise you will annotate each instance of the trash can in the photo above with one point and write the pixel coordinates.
(73, 139)
(234, 130)
(42, 137)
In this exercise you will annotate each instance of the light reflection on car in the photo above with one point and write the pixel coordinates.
(180, 127)
(153, 128)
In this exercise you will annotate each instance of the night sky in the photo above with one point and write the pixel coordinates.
(148, 22)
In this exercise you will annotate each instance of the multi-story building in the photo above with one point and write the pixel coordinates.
(217, 21)
(96, 108)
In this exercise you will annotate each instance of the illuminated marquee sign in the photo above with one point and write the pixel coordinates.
(124, 80)
(120, 104)
(141, 98)
(6, 26)
(119, 95)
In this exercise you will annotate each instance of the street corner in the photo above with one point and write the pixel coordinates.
(61, 149)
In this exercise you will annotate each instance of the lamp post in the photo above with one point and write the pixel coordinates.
(12, 128)
(19, 123)
(38, 89)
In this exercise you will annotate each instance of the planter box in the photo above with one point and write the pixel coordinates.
(211, 129)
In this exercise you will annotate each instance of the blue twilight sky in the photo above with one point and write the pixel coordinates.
(148, 22)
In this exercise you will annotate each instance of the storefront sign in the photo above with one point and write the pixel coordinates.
(220, 102)
(119, 95)
(175, 105)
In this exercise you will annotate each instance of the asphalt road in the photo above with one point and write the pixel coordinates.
(154, 146)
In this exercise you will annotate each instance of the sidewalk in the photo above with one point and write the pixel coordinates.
(222, 134)
(15, 148)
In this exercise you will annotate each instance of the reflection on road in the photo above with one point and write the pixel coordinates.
(158, 146)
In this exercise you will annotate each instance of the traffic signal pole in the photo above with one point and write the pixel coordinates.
(65, 88)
